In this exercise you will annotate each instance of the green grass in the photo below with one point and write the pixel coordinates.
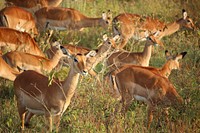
(92, 108)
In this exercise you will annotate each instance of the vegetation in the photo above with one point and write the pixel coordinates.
(92, 108)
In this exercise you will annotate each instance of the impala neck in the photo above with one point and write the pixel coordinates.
(165, 70)
(171, 28)
(92, 22)
(147, 52)
(55, 60)
(70, 83)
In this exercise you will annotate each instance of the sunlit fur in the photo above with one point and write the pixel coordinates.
(59, 18)
(18, 18)
(129, 25)
(14, 40)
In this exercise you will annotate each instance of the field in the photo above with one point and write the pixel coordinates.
(92, 108)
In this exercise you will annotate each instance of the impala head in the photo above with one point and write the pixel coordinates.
(153, 40)
(173, 60)
(186, 21)
(60, 50)
(107, 17)
(78, 61)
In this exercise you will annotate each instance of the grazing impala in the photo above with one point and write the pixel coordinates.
(136, 82)
(14, 40)
(119, 58)
(67, 19)
(23, 61)
(18, 18)
(132, 25)
(6, 71)
(33, 3)
(34, 95)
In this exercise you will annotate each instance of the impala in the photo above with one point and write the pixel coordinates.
(6, 71)
(35, 96)
(67, 19)
(14, 40)
(119, 58)
(172, 63)
(132, 25)
(136, 82)
(165, 70)
(23, 61)
(102, 51)
(18, 18)
(33, 3)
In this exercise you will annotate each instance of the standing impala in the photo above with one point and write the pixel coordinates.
(134, 26)
(165, 70)
(35, 96)
(14, 40)
(120, 58)
(172, 63)
(23, 61)
(58, 18)
(136, 82)
(18, 18)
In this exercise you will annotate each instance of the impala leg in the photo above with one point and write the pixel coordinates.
(49, 122)
(150, 110)
(28, 116)
(22, 112)
(166, 113)
(57, 122)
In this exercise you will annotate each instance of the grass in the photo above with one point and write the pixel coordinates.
(92, 108)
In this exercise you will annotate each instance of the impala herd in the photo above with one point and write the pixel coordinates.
(130, 76)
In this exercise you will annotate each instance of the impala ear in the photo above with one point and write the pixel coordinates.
(56, 44)
(184, 14)
(167, 55)
(156, 33)
(105, 37)
(65, 51)
(92, 53)
(104, 16)
(180, 56)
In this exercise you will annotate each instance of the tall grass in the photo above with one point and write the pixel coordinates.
(92, 108)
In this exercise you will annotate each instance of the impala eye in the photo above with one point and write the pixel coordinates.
(109, 42)
(188, 21)
(75, 60)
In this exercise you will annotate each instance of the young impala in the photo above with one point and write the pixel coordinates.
(67, 19)
(136, 82)
(172, 63)
(119, 58)
(129, 25)
(23, 61)
(19, 19)
(107, 45)
(35, 96)
(14, 40)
